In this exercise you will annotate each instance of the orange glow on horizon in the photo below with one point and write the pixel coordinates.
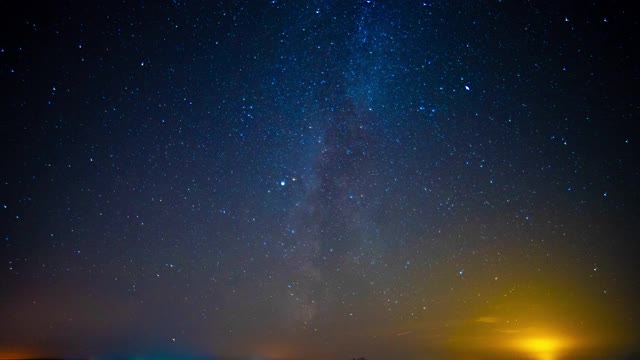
(17, 354)
(543, 347)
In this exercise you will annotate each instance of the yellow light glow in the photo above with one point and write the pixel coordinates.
(543, 348)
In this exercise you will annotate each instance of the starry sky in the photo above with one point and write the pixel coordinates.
(319, 179)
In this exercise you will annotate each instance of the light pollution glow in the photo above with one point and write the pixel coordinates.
(549, 318)
(6, 354)
(526, 314)
(543, 348)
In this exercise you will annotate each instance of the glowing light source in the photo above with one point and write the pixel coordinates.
(543, 347)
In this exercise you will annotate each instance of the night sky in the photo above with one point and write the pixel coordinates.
(320, 179)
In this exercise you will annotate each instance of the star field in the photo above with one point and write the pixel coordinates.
(319, 179)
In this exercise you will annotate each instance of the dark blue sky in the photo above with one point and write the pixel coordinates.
(322, 178)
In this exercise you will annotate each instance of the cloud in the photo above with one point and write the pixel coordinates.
(488, 319)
